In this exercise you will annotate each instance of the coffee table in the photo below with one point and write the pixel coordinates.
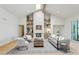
(38, 42)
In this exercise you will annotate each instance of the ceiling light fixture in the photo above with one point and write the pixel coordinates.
(28, 11)
(38, 6)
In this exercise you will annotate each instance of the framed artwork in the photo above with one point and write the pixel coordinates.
(38, 34)
(38, 27)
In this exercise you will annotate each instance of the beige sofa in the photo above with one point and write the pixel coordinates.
(59, 42)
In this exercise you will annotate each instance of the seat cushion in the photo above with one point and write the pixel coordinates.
(29, 37)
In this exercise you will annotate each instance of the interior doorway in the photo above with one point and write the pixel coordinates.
(21, 30)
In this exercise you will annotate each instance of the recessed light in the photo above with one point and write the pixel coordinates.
(28, 11)
(58, 12)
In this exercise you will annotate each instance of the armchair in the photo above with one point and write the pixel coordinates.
(22, 44)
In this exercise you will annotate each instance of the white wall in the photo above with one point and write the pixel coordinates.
(56, 21)
(22, 21)
(8, 26)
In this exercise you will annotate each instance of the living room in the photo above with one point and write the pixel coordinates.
(39, 29)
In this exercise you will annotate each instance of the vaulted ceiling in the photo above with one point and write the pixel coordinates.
(19, 10)
(63, 10)
(59, 10)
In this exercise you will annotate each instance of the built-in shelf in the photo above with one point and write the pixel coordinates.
(47, 25)
(29, 24)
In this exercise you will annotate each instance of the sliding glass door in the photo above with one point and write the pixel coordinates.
(75, 30)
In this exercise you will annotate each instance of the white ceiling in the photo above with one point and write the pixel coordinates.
(59, 10)
(19, 10)
(63, 10)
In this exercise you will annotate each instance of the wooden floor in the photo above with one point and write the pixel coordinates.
(7, 47)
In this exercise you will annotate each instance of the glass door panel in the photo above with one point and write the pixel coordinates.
(78, 31)
(74, 29)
